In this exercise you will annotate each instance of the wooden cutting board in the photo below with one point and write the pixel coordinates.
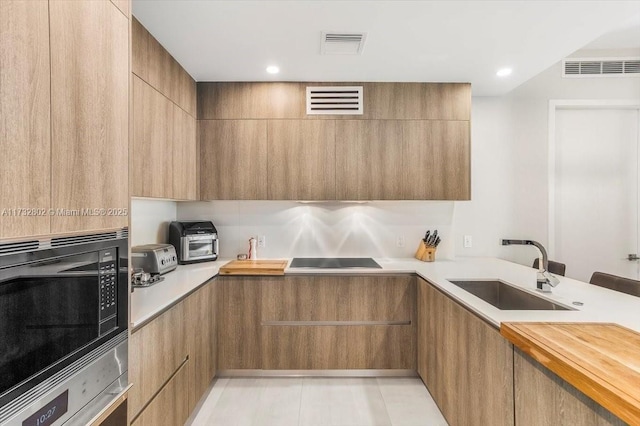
(600, 360)
(254, 267)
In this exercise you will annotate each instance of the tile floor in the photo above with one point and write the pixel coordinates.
(318, 402)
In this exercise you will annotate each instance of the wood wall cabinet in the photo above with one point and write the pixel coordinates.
(152, 144)
(163, 148)
(89, 113)
(301, 160)
(233, 159)
(164, 154)
(544, 399)
(436, 161)
(24, 107)
(382, 101)
(469, 365)
(369, 160)
(153, 64)
(411, 142)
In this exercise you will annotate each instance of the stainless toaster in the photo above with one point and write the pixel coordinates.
(154, 258)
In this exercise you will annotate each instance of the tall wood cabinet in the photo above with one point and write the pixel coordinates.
(64, 103)
(25, 137)
(464, 362)
(89, 113)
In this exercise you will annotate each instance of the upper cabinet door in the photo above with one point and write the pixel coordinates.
(369, 160)
(233, 158)
(301, 160)
(152, 144)
(25, 138)
(89, 113)
(436, 161)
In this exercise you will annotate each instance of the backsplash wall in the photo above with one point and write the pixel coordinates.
(325, 229)
(150, 220)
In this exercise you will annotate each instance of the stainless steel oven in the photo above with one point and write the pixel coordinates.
(63, 326)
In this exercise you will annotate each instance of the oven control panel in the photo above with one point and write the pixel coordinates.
(108, 273)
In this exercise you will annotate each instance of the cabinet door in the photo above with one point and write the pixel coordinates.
(369, 160)
(544, 399)
(25, 138)
(469, 364)
(302, 159)
(156, 351)
(201, 341)
(422, 339)
(184, 155)
(233, 159)
(239, 310)
(152, 146)
(436, 160)
(170, 406)
(89, 113)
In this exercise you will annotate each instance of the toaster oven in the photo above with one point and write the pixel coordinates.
(194, 241)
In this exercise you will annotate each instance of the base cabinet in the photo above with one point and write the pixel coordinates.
(544, 399)
(317, 322)
(169, 407)
(465, 363)
(172, 360)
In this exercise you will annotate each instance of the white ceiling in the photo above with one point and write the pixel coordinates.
(438, 41)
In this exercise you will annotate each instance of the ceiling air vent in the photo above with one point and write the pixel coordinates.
(335, 100)
(342, 43)
(601, 67)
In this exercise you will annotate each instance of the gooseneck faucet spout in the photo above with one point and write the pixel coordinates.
(544, 280)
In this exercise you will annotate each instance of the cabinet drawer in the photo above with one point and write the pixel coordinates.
(156, 351)
(344, 298)
(170, 405)
(338, 347)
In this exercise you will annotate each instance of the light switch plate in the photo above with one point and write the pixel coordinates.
(262, 241)
(468, 241)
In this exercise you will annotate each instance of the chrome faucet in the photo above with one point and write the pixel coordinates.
(544, 280)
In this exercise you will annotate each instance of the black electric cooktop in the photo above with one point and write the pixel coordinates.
(334, 262)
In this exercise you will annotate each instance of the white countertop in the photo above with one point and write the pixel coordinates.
(600, 305)
(147, 302)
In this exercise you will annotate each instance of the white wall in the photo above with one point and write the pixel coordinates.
(150, 220)
(510, 158)
(325, 229)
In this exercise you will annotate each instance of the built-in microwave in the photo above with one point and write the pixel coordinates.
(63, 325)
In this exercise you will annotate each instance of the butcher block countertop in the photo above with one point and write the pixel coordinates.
(254, 267)
(599, 359)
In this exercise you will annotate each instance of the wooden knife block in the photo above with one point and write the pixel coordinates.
(425, 253)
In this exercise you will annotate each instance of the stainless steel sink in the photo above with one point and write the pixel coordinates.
(507, 297)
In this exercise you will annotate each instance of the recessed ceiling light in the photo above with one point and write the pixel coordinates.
(272, 69)
(504, 72)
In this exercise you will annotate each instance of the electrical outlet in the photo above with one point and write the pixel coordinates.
(400, 241)
(468, 241)
(262, 241)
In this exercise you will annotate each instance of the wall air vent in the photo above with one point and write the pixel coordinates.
(335, 100)
(342, 43)
(601, 67)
